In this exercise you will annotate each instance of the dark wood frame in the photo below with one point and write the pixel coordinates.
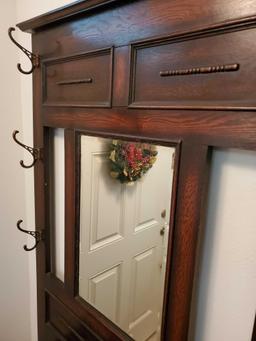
(191, 185)
(72, 224)
(196, 131)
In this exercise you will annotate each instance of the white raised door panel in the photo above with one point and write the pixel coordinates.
(104, 226)
(144, 319)
(104, 292)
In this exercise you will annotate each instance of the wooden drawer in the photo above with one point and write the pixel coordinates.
(196, 71)
(79, 80)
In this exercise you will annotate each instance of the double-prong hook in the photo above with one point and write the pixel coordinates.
(34, 58)
(38, 235)
(35, 152)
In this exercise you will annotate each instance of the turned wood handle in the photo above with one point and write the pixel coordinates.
(200, 70)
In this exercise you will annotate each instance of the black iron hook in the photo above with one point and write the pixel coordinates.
(38, 235)
(35, 152)
(35, 60)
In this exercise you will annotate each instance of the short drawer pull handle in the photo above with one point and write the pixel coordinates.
(75, 81)
(200, 70)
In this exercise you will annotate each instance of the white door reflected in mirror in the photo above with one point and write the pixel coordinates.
(124, 228)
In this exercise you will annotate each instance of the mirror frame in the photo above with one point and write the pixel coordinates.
(73, 228)
(189, 190)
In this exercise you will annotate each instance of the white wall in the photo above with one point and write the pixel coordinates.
(227, 274)
(14, 282)
(18, 290)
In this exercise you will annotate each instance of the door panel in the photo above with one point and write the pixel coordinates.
(105, 228)
(143, 320)
(104, 292)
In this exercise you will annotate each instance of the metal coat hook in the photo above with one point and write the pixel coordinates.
(38, 235)
(35, 152)
(34, 58)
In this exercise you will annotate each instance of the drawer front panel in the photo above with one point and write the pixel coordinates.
(79, 80)
(199, 72)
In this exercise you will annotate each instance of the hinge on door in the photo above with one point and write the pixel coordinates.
(78, 250)
(173, 160)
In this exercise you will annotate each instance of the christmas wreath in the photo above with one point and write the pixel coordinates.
(129, 161)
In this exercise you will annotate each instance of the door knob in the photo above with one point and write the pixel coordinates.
(162, 231)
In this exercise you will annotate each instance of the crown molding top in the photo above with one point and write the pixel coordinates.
(65, 12)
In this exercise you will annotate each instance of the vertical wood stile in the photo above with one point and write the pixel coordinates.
(194, 164)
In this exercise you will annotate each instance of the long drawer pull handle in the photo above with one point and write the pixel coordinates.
(200, 70)
(75, 81)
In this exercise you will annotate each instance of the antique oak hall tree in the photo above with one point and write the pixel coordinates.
(140, 92)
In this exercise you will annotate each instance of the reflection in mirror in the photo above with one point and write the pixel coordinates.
(125, 200)
(58, 195)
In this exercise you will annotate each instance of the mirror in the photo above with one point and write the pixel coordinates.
(57, 162)
(125, 200)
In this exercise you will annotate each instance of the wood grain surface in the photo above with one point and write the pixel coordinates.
(194, 113)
